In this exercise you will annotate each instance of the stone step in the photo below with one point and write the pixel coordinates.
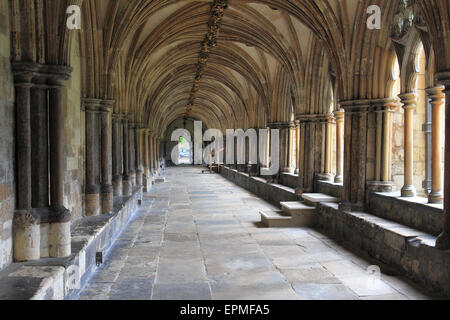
(313, 199)
(275, 219)
(302, 214)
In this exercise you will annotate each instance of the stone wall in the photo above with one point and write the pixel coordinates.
(74, 138)
(7, 187)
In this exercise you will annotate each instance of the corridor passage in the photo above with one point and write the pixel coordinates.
(198, 237)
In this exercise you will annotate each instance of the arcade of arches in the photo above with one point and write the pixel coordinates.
(87, 114)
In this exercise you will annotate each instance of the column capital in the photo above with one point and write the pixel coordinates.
(278, 125)
(409, 100)
(107, 105)
(40, 74)
(436, 93)
(339, 115)
(56, 74)
(90, 104)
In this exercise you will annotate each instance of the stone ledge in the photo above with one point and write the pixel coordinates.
(409, 251)
(415, 212)
(274, 193)
(63, 278)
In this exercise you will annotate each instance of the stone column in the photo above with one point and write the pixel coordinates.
(327, 122)
(127, 186)
(106, 154)
(379, 172)
(355, 154)
(409, 101)
(292, 146)
(117, 153)
(339, 115)
(426, 128)
(92, 197)
(156, 143)
(301, 169)
(386, 164)
(59, 238)
(132, 152)
(297, 144)
(443, 241)
(138, 152)
(158, 155)
(146, 178)
(437, 97)
(26, 237)
(284, 146)
(151, 157)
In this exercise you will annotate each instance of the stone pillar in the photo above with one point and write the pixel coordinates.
(158, 155)
(106, 155)
(437, 97)
(353, 195)
(151, 157)
(138, 153)
(297, 144)
(300, 156)
(292, 143)
(284, 147)
(409, 101)
(59, 238)
(132, 152)
(26, 237)
(443, 241)
(146, 178)
(92, 197)
(127, 186)
(339, 115)
(117, 161)
(327, 123)
(426, 128)
(386, 164)
(379, 171)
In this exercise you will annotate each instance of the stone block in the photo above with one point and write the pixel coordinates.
(314, 199)
(275, 219)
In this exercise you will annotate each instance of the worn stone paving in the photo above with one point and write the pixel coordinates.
(198, 237)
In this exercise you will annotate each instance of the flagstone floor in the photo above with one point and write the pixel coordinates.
(198, 237)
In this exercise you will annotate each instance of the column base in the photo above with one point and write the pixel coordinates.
(59, 238)
(408, 191)
(436, 197)
(324, 177)
(287, 170)
(127, 186)
(297, 171)
(107, 199)
(45, 225)
(117, 186)
(299, 191)
(147, 184)
(380, 186)
(339, 179)
(443, 241)
(26, 235)
(139, 175)
(92, 204)
(133, 178)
